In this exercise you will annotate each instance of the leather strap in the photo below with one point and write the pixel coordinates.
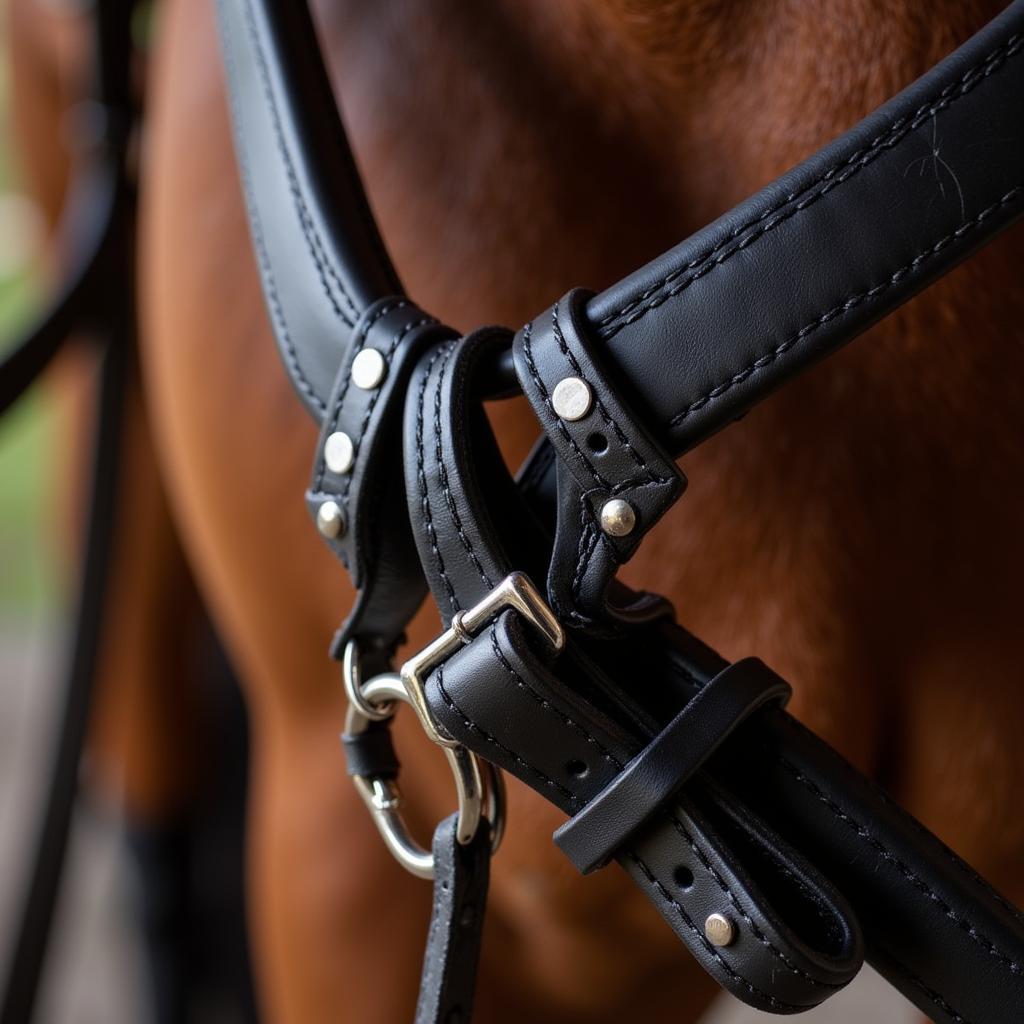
(372, 536)
(470, 527)
(591, 836)
(320, 255)
(605, 454)
(461, 876)
(940, 934)
(713, 326)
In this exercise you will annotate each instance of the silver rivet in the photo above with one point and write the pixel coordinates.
(338, 452)
(330, 520)
(719, 930)
(572, 399)
(617, 518)
(368, 369)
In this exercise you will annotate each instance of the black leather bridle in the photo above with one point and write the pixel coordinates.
(778, 865)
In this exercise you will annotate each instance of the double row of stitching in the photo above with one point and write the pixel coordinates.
(291, 356)
(907, 872)
(421, 475)
(442, 471)
(751, 923)
(314, 243)
(339, 402)
(845, 306)
(667, 898)
(673, 818)
(820, 187)
(880, 848)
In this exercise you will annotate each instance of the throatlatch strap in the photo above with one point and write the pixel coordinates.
(650, 779)
(461, 876)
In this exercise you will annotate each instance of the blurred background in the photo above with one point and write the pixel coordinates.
(97, 969)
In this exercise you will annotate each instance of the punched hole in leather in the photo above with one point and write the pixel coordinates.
(606, 458)
(591, 837)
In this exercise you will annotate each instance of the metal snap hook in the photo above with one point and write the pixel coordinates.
(479, 787)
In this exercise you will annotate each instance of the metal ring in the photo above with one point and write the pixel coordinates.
(352, 678)
(477, 783)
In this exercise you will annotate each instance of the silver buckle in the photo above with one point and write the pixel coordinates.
(478, 783)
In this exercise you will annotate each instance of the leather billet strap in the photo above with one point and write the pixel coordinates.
(461, 876)
(727, 844)
(321, 260)
(713, 326)
(365, 489)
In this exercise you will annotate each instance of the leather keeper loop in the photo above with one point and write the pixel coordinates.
(370, 753)
(608, 461)
(591, 837)
(357, 476)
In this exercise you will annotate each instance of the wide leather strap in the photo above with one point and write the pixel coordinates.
(461, 876)
(940, 934)
(714, 325)
(320, 255)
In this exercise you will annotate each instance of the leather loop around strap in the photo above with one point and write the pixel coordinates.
(461, 875)
(658, 772)
(796, 940)
(363, 481)
(605, 455)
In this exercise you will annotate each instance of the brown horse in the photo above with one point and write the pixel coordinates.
(876, 569)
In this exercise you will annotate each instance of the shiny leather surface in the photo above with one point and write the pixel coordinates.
(605, 454)
(320, 256)
(470, 531)
(375, 544)
(775, 831)
(714, 325)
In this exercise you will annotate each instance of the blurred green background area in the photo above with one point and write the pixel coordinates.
(26, 569)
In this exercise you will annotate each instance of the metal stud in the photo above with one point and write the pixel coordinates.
(330, 520)
(719, 930)
(572, 399)
(368, 369)
(339, 453)
(617, 518)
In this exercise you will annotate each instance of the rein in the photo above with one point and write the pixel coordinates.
(778, 865)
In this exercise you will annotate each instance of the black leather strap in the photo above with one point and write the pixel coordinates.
(592, 835)
(470, 528)
(605, 454)
(373, 539)
(461, 876)
(714, 325)
(320, 255)
(796, 941)
(938, 932)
